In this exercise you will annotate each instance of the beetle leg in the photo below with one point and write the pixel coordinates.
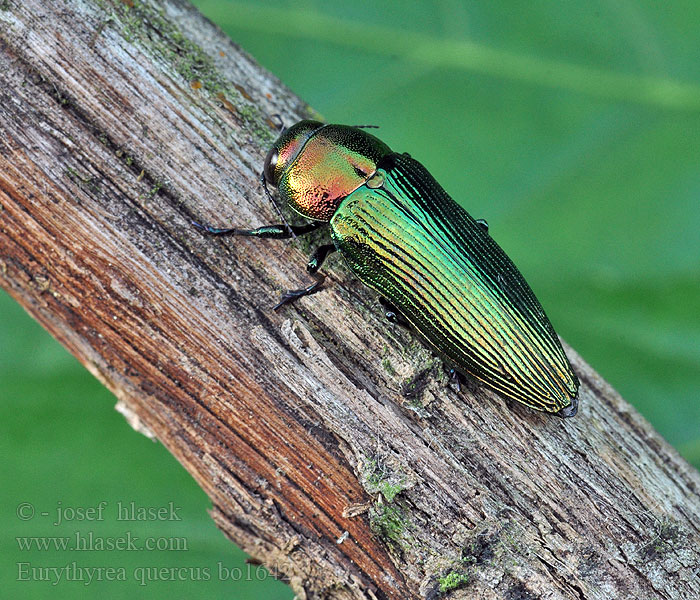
(454, 376)
(483, 224)
(314, 264)
(393, 314)
(319, 255)
(278, 232)
(292, 295)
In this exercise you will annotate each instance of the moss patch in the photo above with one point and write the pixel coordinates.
(452, 581)
(388, 522)
(382, 480)
(388, 367)
(668, 535)
(142, 24)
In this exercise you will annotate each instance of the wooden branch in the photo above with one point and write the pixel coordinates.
(328, 441)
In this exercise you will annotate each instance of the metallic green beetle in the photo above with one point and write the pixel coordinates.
(439, 269)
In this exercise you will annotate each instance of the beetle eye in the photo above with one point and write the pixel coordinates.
(270, 164)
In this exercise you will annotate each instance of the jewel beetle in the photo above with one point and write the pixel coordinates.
(433, 264)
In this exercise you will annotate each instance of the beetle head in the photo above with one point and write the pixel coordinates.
(315, 166)
(286, 149)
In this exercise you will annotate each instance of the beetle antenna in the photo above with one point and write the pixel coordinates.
(366, 126)
(280, 124)
(263, 182)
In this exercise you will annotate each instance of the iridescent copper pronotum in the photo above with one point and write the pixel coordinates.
(435, 265)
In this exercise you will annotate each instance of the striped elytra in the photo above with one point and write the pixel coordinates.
(423, 252)
(403, 236)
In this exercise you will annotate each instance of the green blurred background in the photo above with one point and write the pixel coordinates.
(573, 128)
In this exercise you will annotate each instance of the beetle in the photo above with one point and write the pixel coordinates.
(435, 266)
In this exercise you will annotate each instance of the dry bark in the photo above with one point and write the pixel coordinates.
(124, 121)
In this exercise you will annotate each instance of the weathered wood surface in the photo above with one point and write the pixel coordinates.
(320, 461)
